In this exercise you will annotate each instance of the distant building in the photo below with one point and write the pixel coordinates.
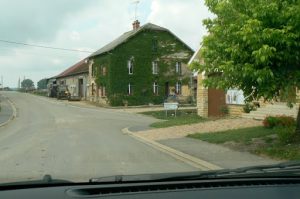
(75, 78)
(142, 66)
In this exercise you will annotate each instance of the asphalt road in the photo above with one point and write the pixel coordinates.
(75, 143)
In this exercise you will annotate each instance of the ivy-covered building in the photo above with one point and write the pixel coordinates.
(142, 66)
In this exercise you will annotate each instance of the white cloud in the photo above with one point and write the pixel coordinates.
(184, 18)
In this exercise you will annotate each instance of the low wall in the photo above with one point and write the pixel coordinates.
(235, 109)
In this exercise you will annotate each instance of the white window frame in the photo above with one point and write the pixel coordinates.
(154, 67)
(155, 88)
(129, 89)
(178, 88)
(130, 67)
(178, 67)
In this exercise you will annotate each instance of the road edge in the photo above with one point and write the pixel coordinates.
(186, 158)
(13, 115)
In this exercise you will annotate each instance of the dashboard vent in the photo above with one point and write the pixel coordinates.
(135, 188)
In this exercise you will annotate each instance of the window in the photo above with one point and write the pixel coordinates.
(154, 45)
(178, 68)
(130, 67)
(103, 91)
(155, 68)
(155, 88)
(94, 70)
(93, 89)
(129, 89)
(103, 70)
(178, 88)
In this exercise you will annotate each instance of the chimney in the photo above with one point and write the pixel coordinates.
(136, 25)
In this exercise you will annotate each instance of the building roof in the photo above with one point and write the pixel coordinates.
(127, 35)
(78, 68)
(195, 57)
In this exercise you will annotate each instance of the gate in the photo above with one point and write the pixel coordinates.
(216, 100)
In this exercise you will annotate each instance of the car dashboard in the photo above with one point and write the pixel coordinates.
(218, 188)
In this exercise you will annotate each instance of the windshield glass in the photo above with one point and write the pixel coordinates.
(90, 89)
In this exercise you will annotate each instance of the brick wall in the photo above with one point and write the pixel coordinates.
(202, 98)
(235, 109)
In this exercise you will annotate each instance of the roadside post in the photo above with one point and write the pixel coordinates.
(171, 106)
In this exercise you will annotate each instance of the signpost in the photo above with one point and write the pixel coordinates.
(170, 106)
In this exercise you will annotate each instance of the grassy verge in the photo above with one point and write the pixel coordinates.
(183, 117)
(257, 140)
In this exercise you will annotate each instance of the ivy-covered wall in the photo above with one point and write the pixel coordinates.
(144, 48)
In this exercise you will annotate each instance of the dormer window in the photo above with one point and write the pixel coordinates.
(130, 67)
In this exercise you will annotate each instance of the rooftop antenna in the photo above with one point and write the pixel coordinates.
(135, 12)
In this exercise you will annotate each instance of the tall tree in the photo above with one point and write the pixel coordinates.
(27, 84)
(42, 84)
(253, 45)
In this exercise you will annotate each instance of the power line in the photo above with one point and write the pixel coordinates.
(47, 47)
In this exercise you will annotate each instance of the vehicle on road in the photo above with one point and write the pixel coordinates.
(63, 92)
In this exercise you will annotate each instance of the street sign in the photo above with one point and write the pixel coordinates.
(171, 106)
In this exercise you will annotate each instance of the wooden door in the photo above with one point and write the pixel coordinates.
(216, 100)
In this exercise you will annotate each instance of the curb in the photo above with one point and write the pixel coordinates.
(188, 159)
(13, 115)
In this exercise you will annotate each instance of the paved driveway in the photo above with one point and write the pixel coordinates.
(73, 143)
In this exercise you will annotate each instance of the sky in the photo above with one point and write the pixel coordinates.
(85, 25)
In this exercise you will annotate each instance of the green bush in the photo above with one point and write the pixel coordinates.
(286, 121)
(224, 110)
(116, 100)
(270, 122)
(248, 107)
(286, 134)
(273, 121)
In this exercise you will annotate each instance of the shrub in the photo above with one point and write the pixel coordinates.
(270, 121)
(248, 107)
(284, 121)
(286, 134)
(224, 110)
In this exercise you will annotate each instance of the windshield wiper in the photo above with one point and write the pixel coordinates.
(290, 169)
(47, 180)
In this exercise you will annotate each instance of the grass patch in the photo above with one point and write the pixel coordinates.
(257, 140)
(183, 117)
(279, 151)
(238, 135)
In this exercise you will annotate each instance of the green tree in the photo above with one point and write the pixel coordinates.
(27, 84)
(253, 45)
(42, 84)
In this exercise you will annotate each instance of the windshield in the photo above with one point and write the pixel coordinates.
(91, 89)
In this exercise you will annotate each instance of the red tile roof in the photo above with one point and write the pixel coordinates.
(78, 68)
